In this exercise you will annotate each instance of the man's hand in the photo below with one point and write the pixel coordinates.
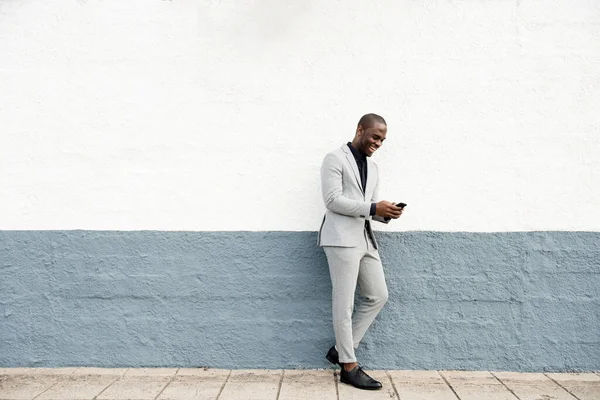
(387, 210)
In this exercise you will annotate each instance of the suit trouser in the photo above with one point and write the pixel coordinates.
(347, 267)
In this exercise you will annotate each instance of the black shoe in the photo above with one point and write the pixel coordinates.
(333, 356)
(359, 379)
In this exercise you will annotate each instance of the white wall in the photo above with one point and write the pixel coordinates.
(215, 115)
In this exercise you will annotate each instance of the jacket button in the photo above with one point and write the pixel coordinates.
(362, 216)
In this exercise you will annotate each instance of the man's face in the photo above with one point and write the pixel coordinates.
(372, 138)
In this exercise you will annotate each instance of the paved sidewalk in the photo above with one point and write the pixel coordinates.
(205, 384)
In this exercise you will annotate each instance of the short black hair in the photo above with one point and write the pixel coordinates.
(368, 120)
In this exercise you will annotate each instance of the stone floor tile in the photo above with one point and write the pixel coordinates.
(203, 372)
(203, 384)
(200, 375)
(78, 388)
(89, 371)
(536, 390)
(520, 376)
(416, 376)
(12, 371)
(135, 388)
(476, 377)
(24, 387)
(134, 379)
(38, 371)
(199, 390)
(24, 378)
(308, 375)
(470, 391)
(318, 389)
(151, 372)
(348, 392)
(424, 390)
(255, 375)
(250, 390)
(577, 377)
(380, 375)
(583, 390)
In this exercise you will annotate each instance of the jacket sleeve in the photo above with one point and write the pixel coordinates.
(376, 199)
(331, 188)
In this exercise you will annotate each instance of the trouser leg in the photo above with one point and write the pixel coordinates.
(374, 293)
(344, 264)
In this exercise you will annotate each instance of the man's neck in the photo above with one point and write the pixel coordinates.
(356, 148)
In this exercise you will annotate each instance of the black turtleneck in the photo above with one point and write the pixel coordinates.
(361, 162)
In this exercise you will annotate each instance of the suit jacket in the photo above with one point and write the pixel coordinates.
(347, 206)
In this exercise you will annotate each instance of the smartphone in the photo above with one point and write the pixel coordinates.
(401, 205)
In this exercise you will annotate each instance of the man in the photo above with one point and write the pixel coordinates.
(350, 186)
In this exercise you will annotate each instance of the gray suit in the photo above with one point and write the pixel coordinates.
(351, 247)
(347, 206)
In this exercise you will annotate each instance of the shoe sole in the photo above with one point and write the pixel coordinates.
(362, 387)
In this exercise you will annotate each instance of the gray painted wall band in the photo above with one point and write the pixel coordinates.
(526, 301)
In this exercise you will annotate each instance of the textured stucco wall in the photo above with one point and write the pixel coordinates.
(185, 137)
(215, 115)
(499, 301)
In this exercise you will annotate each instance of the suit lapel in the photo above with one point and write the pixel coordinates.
(371, 176)
(354, 166)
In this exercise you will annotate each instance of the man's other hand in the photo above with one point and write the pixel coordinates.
(387, 209)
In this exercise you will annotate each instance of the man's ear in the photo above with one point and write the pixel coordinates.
(359, 131)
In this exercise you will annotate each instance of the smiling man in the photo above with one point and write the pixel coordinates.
(350, 186)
